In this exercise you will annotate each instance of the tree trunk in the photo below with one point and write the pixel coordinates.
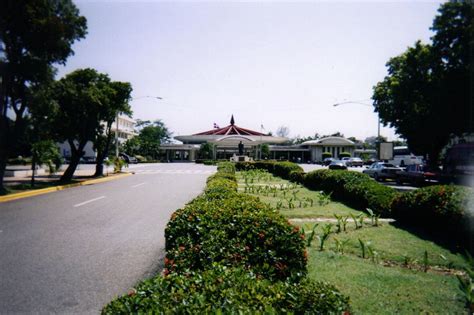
(76, 155)
(3, 166)
(67, 176)
(33, 166)
(102, 154)
(99, 169)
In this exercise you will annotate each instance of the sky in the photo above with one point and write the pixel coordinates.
(268, 63)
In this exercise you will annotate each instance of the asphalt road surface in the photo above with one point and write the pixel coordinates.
(74, 250)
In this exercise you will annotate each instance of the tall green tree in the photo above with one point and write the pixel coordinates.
(206, 151)
(150, 136)
(81, 98)
(120, 94)
(34, 35)
(427, 94)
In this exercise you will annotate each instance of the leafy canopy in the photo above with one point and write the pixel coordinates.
(427, 95)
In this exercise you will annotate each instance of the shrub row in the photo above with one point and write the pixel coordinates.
(227, 252)
(355, 189)
(440, 209)
(222, 290)
(281, 169)
(445, 208)
(238, 230)
(233, 229)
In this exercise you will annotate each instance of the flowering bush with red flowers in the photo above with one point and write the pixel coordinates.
(238, 230)
(444, 207)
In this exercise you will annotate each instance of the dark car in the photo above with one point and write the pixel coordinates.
(370, 161)
(328, 161)
(381, 171)
(128, 158)
(337, 165)
(417, 174)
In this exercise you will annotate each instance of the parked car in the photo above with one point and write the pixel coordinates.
(355, 161)
(381, 171)
(345, 160)
(417, 174)
(370, 161)
(128, 158)
(328, 161)
(337, 165)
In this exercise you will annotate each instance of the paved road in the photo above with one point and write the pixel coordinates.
(72, 251)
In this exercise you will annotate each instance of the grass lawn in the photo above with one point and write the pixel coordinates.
(391, 279)
(16, 188)
(375, 289)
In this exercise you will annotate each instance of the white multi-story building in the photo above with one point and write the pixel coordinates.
(125, 128)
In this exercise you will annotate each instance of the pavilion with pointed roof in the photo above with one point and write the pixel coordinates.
(226, 142)
(227, 139)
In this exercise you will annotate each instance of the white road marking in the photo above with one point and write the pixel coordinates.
(88, 201)
(138, 185)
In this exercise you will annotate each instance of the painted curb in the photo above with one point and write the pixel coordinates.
(43, 191)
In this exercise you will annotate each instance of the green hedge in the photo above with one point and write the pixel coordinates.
(355, 189)
(222, 290)
(436, 208)
(229, 253)
(237, 230)
(282, 169)
(297, 177)
(442, 207)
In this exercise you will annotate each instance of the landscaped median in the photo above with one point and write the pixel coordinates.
(384, 267)
(440, 209)
(227, 252)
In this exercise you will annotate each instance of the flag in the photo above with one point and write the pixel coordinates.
(216, 126)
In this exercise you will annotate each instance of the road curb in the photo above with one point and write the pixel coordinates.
(43, 191)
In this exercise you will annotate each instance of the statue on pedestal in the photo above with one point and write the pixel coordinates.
(241, 148)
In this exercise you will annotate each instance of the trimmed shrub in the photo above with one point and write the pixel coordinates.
(209, 162)
(344, 154)
(326, 155)
(220, 188)
(283, 169)
(226, 167)
(297, 177)
(222, 290)
(356, 189)
(444, 207)
(235, 231)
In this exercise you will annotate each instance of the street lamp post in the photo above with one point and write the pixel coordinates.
(365, 104)
(117, 121)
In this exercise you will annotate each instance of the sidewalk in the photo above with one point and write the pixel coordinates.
(19, 186)
(83, 172)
